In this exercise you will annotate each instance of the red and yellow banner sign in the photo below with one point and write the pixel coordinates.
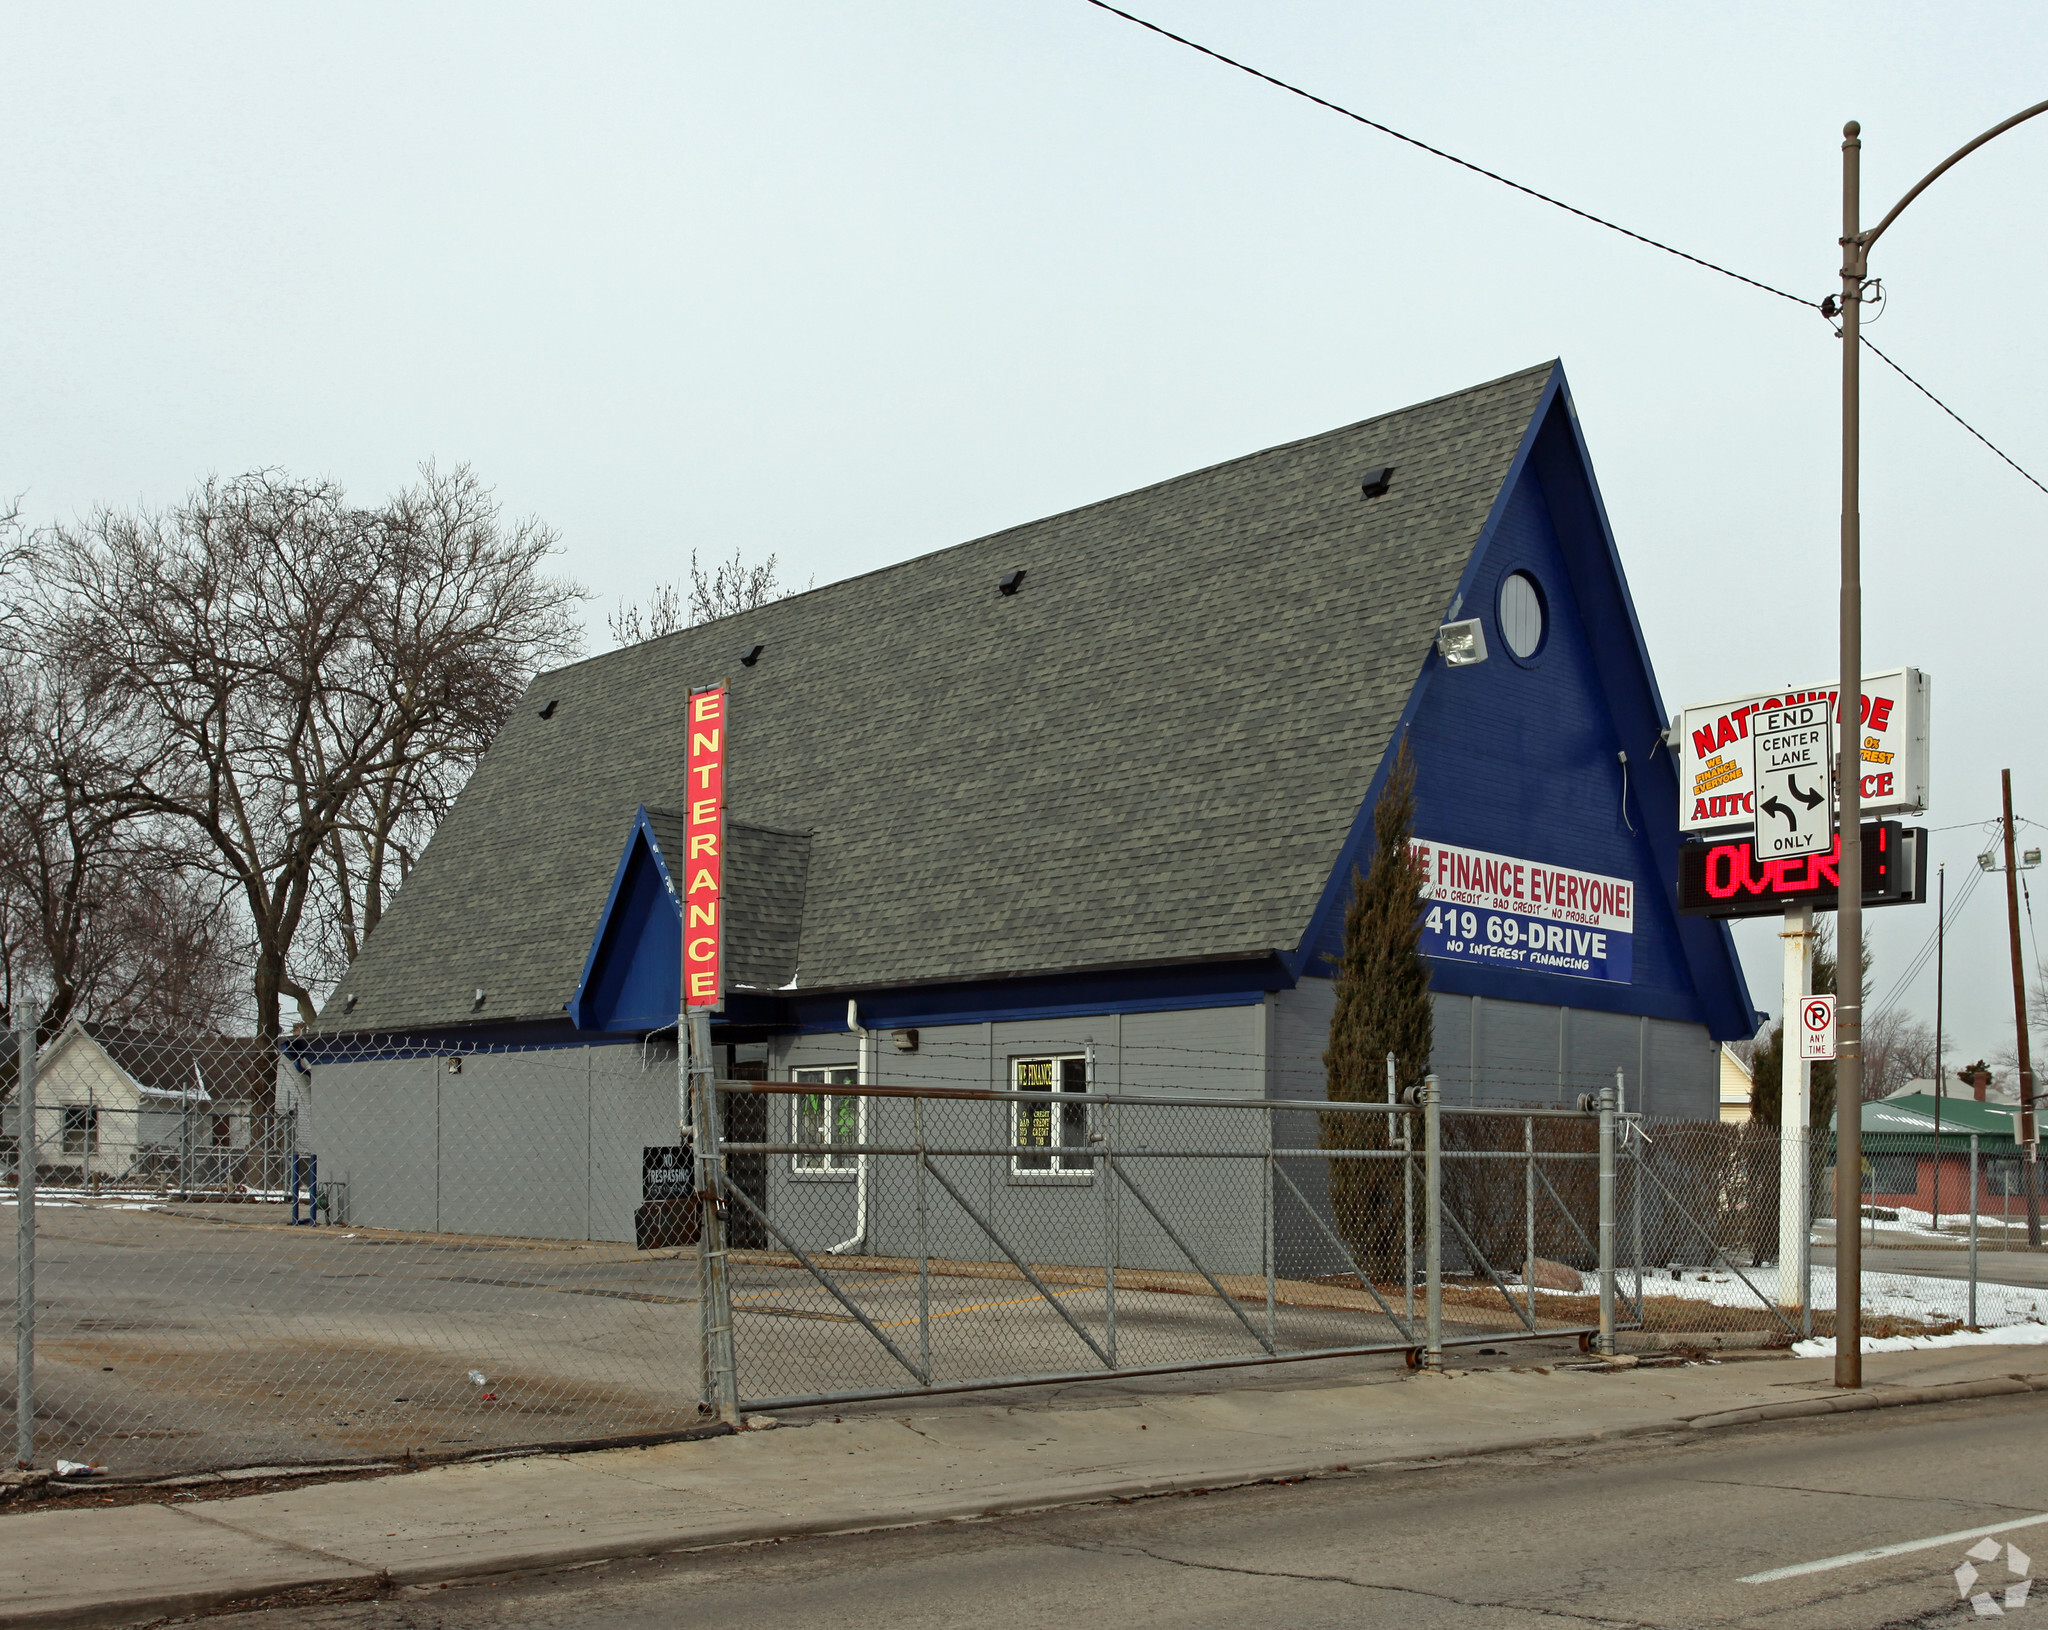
(704, 863)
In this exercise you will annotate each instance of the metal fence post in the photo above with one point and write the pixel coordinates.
(1407, 1135)
(1972, 1320)
(26, 1023)
(1110, 1125)
(714, 1290)
(1635, 1210)
(1608, 1097)
(1529, 1213)
(1272, 1251)
(1433, 1220)
(924, 1248)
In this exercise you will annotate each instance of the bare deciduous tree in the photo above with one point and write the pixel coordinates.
(102, 913)
(298, 680)
(1897, 1048)
(730, 587)
(461, 622)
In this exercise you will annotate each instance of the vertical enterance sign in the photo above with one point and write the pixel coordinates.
(704, 858)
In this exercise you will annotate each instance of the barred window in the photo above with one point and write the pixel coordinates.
(1050, 1126)
(826, 1119)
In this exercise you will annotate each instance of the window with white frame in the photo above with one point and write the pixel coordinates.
(825, 1118)
(1056, 1126)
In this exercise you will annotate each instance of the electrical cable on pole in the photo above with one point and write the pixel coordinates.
(1826, 307)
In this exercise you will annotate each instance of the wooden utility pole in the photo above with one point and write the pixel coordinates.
(2028, 1132)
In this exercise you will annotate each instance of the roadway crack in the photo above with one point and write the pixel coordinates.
(1357, 1584)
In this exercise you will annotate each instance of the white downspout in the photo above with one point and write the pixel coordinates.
(865, 1059)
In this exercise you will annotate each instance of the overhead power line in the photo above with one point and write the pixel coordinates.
(1951, 412)
(1545, 198)
(1450, 158)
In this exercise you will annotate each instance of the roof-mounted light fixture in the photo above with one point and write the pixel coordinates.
(1376, 482)
(1461, 644)
(751, 655)
(348, 1002)
(1012, 583)
(547, 708)
(477, 1000)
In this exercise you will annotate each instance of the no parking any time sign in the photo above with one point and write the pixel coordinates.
(1817, 1027)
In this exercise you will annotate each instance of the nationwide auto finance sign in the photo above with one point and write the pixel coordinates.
(1514, 913)
(1718, 781)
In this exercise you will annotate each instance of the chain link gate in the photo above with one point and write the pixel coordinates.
(972, 1238)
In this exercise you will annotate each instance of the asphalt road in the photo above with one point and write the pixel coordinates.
(1655, 1532)
(1994, 1267)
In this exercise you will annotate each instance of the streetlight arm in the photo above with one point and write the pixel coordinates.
(1866, 239)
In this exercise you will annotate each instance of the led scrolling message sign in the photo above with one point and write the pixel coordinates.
(1730, 879)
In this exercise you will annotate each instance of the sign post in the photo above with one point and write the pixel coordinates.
(1795, 1112)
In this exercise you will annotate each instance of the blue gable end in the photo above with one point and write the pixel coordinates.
(1519, 756)
(632, 979)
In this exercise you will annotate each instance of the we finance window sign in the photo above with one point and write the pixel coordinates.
(1509, 912)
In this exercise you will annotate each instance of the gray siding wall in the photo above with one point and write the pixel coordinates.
(1215, 1204)
(532, 1145)
(1498, 1052)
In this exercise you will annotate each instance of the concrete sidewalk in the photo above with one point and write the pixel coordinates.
(911, 1462)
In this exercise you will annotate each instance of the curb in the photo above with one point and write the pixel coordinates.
(1850, 1402)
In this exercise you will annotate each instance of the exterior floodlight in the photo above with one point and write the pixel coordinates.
(1011, 584)
(2031, 857)
(751, 655)
(1985, 863)
(1375, 482)
(1461, 644)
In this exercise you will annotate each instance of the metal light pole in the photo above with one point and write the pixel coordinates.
(1940, 985)
(2029, 1138)
(1856, 244)
(1849, 799)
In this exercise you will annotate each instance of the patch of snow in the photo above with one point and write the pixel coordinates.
(2011, 1335)
(1900, 1295)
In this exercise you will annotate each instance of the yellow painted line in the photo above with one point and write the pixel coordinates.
(983, 1307)
(788, 1290)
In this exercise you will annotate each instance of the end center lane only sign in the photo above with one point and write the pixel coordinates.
(1515, 913)
(1795, 800)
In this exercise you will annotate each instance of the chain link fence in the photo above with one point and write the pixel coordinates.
(890, 1240)
(383, 1251)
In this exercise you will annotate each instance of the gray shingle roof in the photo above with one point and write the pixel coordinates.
(765, 874)
(227, 1068)
(1153, 752)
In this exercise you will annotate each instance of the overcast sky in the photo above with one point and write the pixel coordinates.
(847, 283)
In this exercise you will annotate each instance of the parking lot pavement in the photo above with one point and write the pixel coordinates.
(1994, 1266)
(174, 1338)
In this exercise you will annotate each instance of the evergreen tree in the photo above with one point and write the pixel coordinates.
(1383, 1007)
